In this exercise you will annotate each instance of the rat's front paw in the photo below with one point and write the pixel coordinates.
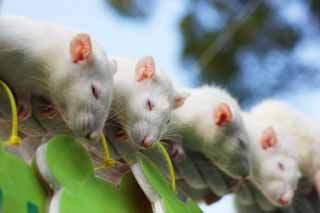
(177, 153)
(121, 135)
(24, 110)
(48, 110)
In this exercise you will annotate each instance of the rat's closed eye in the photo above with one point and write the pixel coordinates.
(242, 144)
(150, 105)
(281, 166)
(95, 92)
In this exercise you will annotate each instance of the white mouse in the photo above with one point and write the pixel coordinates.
(210, 122)
(143, 100)
(68, 67)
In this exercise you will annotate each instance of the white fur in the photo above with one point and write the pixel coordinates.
(130, 97)
(35, 59)
(303, 132)
(196, 121)
(296, 149)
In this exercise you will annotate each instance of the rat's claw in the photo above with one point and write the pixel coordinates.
(177, 152)
(48, 111)
(121, 167)
(121, 135)
(24, 111)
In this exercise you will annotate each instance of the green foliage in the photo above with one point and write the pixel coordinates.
(20, 190)
(68, 167)
(133, 9)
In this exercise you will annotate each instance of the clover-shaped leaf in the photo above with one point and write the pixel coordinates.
(20, 190)
(66, 166)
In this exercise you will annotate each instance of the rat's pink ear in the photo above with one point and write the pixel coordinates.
(268, 139)
(145, 69)
(180, 98)
(81, 48)
(222, 115)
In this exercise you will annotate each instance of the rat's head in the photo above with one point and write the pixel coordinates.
(150, 103)
(211, 122)
(279, 177)
(274, 170)
(86, 89)
(231, 141)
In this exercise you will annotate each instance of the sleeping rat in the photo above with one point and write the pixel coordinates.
(303, 132)
(66, 66)
(283, 145)
(210, 123)
(143, 100)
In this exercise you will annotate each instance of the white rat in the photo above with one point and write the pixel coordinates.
(210, 122)
(284, 146)
(68, 67)
(303, 131)
(143, 100)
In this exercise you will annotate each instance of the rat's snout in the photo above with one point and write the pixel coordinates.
(283, 201)
(148, 141)
(286, 198)
(144, 134)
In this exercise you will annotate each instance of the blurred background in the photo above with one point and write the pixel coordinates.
(256, 49)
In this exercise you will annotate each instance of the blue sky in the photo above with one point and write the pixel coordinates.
(158, 36)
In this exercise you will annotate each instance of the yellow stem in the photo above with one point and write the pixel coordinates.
(14, 138)
(108, 162)
(170, 166)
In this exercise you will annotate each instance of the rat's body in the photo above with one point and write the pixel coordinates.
(143, 100)
(210, 122)
(64, 66)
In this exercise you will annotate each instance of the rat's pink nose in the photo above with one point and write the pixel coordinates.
(148, 141)
(282, 201)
